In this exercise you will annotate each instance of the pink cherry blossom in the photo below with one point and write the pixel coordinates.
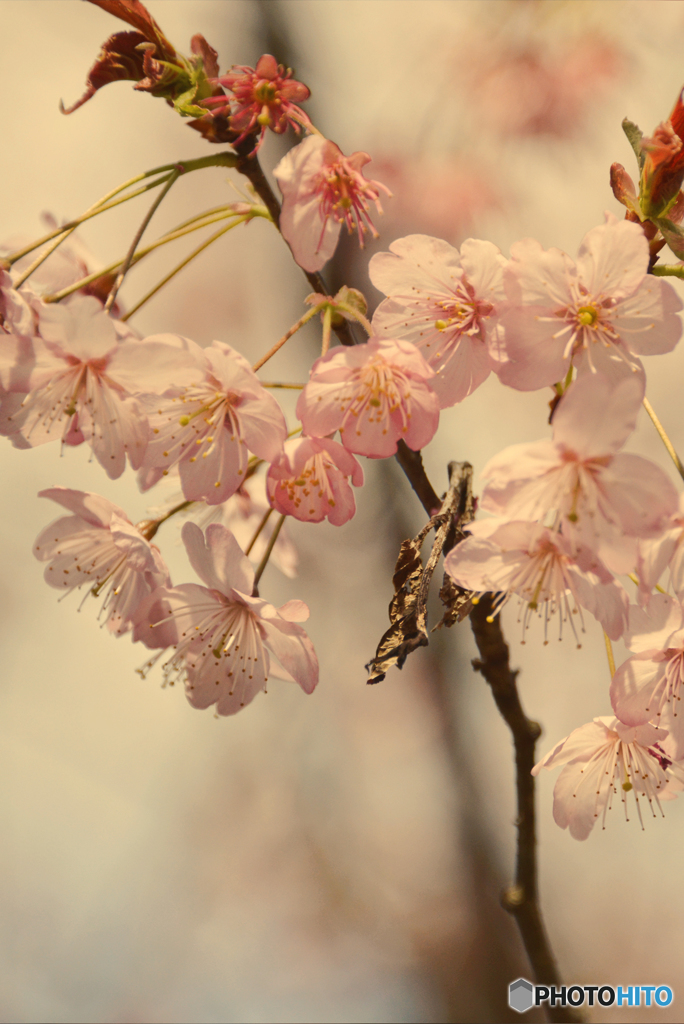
(374, 394)
(596, 494)
(542, 567)
(663, 552)
(98, 546)
(600, 313)
(264, 97)
(322, 190)
(224, 634)
(309, 481)
(648, 686)
(605, 757)
(17, 329)
(206, 427)
(443, 301)
(73, 390)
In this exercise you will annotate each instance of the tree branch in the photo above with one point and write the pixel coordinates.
(251, 168)
(522, 898)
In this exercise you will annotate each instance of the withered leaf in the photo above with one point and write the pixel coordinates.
(408, 607)
(407, 631)
(119, 60)
(457, 602)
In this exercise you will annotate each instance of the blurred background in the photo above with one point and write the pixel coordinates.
(337, 857)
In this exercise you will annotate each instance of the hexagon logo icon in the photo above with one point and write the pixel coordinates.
(521, 995)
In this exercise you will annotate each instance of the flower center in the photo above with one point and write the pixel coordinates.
(587, 315)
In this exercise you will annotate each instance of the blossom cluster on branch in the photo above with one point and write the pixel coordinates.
(571, 519)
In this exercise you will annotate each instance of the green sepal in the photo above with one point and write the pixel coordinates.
(634, 135)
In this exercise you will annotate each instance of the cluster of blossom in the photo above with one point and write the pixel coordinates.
(568, 515)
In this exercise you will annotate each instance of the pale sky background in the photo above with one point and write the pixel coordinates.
(312, 858)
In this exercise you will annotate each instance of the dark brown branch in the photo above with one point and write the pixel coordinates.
(522, 898)
(251, 168)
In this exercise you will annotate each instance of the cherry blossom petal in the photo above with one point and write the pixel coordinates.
(218, 559)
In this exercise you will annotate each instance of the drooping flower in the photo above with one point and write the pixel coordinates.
(322, 190)
(600, 313)
(375, 394)
(208, 426)
(648, 686)
(309, 481)
(73, 390)
(443, 301)
(99, 547)
(265, 97)
(605, 757)
(544, 569)
(223, 633)
(599, 496)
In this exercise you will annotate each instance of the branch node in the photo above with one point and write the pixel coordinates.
(513, 898)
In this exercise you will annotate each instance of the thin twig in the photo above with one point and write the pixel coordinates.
(286, 337)
(264, 519)
(267, 554)
(111, 298)
(663, 437)
(183, 263)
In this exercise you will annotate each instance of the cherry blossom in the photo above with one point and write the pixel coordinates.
(17, 329)
(647, 687)
(600, 313)
(224, 633)
(663, 552)
(73, 388)
(544, 569)
(443, 301)
(309, 481)
(98, 546)
(322, 190)
(206, 427)
(597, 494)
(375, 394)
(601, 756)
(265, 97)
